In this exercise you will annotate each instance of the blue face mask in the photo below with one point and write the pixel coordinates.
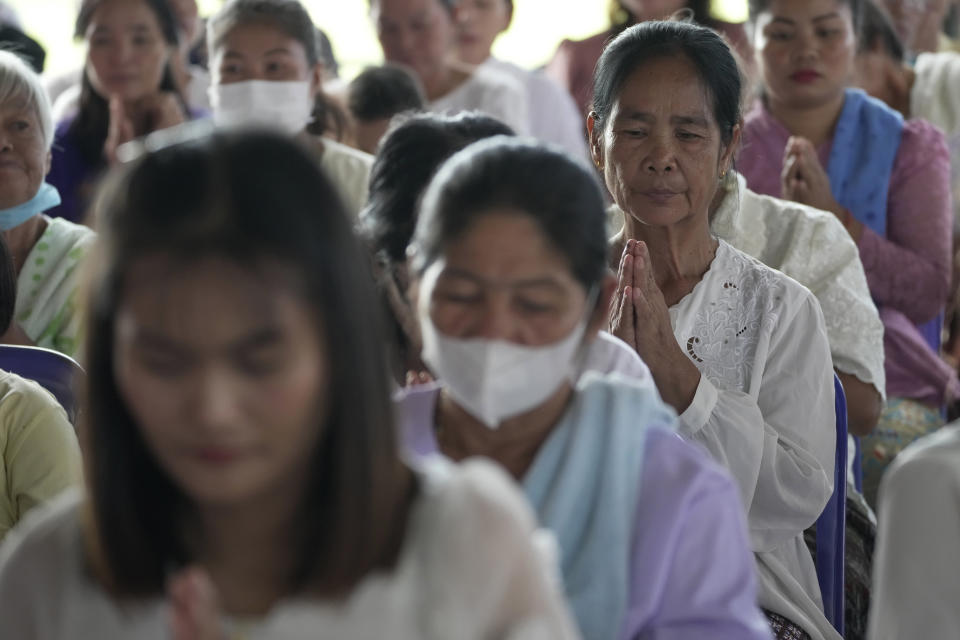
(47, 198)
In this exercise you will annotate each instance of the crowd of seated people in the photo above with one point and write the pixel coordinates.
(456, 348)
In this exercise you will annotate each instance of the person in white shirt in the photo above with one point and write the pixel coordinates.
(267, 71)
(554, 116)
(916, 570)
(421, 35)
(927, 89)
(738, 349)
(242, 472)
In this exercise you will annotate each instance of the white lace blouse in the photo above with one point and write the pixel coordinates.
(765, 409)
(813, 248)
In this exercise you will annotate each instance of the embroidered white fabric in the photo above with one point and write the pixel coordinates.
(813, 248)
(764, 409)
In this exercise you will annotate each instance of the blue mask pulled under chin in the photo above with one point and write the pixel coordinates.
(47, 198)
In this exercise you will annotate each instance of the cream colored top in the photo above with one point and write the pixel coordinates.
(468, 569)
(936, 98)
(39, 454)
(349, 169)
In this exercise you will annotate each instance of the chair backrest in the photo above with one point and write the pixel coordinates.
(831, 526)
(932, 332)
(52, 370)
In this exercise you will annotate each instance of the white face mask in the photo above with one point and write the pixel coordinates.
(495, 379)
(285, 106)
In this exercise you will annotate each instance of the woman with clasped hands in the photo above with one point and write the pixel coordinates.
(738, 349)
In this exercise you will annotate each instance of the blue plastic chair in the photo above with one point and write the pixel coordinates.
(831, 525)
(52, 370)
(932, 332)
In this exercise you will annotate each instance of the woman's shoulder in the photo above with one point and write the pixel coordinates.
(64, 233)
(475, 489)
(934, 459)
(350, 170)
(341, 154)
(24, 398)
(609, 354)
(749, 276)
(467, 520)
(42, 551)
(784, 232)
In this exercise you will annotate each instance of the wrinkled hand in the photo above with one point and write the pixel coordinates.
(640, 317)
(622, 320)
(804, 179)
(194, 606)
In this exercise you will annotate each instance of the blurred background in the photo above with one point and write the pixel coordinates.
(538, 26)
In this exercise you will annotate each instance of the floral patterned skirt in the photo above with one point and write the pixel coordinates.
(901, 422)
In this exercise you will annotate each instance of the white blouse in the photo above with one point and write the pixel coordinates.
(764, 408)
(468, 569)
(935, 97)
(554, 116)
(916, 571)
(813, 248)
(349, 169)
(491, 92)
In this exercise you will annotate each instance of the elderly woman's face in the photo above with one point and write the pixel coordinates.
(127, 51)
(661, 149)
(24, 159)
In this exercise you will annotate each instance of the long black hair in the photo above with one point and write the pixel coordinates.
(89, 129)
(205, 198)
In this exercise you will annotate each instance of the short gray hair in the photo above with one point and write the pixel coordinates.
(19, 82)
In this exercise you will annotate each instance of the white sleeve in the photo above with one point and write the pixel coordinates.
(779, 446)
(916, 579)
(507, 102)
(488, 568)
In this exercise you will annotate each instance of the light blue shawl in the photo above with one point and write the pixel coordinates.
(585, 486)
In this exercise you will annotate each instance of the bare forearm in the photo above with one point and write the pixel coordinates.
(863, 404)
